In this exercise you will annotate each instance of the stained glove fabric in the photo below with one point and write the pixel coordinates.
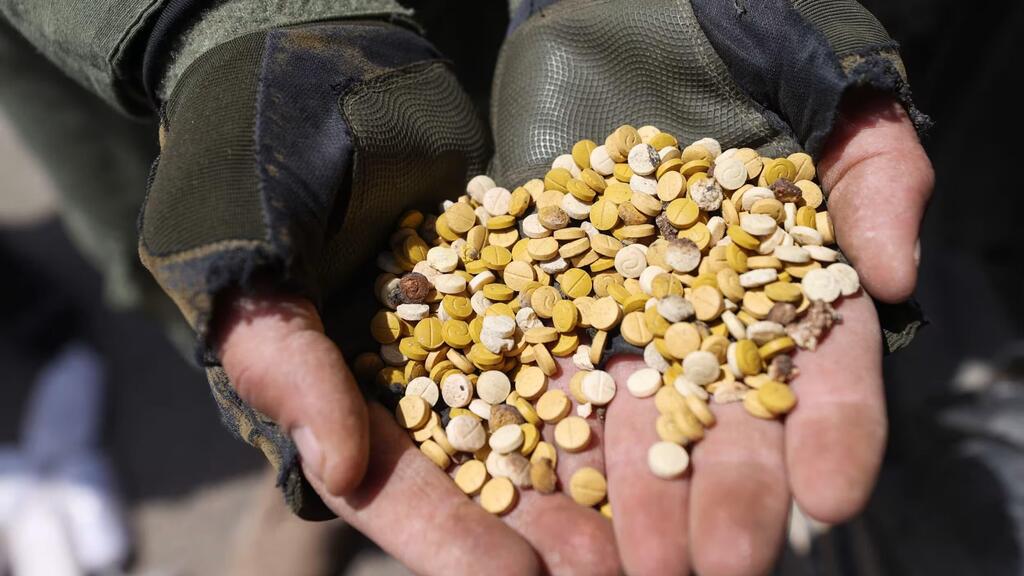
(768, 75)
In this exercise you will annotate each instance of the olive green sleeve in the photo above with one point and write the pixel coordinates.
(101, 43)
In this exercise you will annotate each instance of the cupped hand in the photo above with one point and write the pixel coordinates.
(368, 471)
(728, 515)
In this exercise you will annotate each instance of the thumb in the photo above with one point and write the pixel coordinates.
(281, 363)
(880, 180)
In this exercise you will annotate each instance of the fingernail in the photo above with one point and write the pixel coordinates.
(309, 450)
(917, 253)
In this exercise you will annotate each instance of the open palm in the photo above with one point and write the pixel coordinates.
(726, 517)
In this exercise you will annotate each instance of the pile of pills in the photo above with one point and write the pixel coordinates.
(712, 265)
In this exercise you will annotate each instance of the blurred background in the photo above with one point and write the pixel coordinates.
(950, 499)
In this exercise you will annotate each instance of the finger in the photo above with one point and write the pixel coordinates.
(414, 511)
(281, 363)
(593, 454)
(650, 513)
(739, 499)
(569, 538)
(880, 180)
(835, 437)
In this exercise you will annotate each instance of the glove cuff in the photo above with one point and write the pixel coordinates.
(797, 58)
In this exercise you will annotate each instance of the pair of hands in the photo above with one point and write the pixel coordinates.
(727, 517)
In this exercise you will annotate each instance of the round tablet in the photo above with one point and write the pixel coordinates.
(598, 387)
(498, 495)
(493, 386)
(820, 284)
(471, 476)
(667, 460)
(644, 383)
(553, 406)
(572, 434)
(412, 412)
(531, 382)
(588, 487)
(465, 433)
(457, 390)
(506, 439)
(701, 367)
(424, 387)
(849, 281)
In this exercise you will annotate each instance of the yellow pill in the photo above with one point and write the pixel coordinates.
(662, 140)
(605, 313)
(471, 477)
(498, 495)
(776, 397)
(682, 212)
(553, 406)
(748, 360)
(385, 327)
(460, 217)
(668, 166)
(531, 437)
(775, 347)
(593, 180)
(811, 193)
(604, 215)
(566, 345)
(681, 339)
(606, 246)
(530, 382)
(752, 404)
(670, 186)
(622, 172)
(729, 283)
(707, 303)
(576, 283)
(618, 292)
(581, 153)
(556, 179)
(429, 333)
(617, 193)
(458, 307)
(527, 411)
(572, 434)
(500, 309)
(778, 168)
(565, 316)
(699, 234)
(687, 423)
(543, 301)
(634, 329)
(804, 166)
(588, 487)
(544, 450)
(499, 292)
(784, 292)
(436, 454)
(742, 238)
(500, 223)
(542, 249)
(541, 335)
(412, 412)
(495, 257)
(544, 360)
(801, 270)
(390, 376)
(519, 203)
(581, 191)
(412, 349)
(666, 428)
(805, 216)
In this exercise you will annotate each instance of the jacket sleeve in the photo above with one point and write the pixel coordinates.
(121, 49)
